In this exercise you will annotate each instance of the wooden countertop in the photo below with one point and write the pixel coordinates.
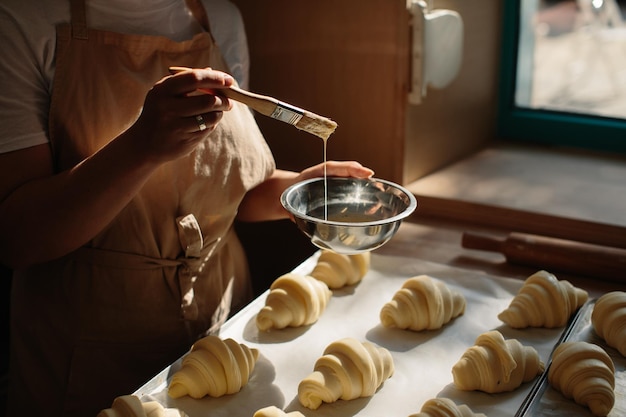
(439, 241)
(554, 192)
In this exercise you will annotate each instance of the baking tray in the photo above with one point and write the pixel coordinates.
(544, 400)
(422, 360)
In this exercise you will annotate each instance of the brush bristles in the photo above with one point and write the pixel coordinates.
(319, 126)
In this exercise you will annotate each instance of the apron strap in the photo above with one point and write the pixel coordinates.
(78, 17)
(109, 258)
(199, 12)
(186, 270)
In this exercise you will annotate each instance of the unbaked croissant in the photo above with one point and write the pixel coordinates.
(213, 367)
(445, 407)
(609, 319)
(131, 406)
(294, 300)
(494, 364)
(543, 301)
(338, 270)
(348, 369)
(273, 411)
(584, 372)
(422, 303)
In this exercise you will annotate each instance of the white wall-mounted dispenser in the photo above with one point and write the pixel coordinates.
(437, 48)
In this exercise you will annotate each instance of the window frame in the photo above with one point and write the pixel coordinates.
(541, 126)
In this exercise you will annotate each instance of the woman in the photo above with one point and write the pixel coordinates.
(119, 190)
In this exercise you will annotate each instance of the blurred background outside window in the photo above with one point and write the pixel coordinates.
(572, 57)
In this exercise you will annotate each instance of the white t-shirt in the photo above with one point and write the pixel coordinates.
(27, 52)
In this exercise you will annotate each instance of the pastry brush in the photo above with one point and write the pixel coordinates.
(304, 120)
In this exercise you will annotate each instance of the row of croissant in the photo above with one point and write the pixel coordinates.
(350, 369)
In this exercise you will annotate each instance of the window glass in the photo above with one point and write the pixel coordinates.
(572, 57)
(563, 77)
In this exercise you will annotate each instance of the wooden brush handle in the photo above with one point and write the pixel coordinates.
(262, 104)
(276, 109)
(551, 253)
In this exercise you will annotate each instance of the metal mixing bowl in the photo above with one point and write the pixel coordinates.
(350, 215)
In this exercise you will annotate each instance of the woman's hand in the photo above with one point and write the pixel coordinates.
(335, 169)
(262, 203)
(176, 117)
(65, 210)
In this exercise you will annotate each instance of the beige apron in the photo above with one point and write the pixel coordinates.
(101, 321)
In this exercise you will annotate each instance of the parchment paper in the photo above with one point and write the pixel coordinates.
(423, 360)
(546, 401)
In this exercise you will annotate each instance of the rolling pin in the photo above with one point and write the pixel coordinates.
(550, 253)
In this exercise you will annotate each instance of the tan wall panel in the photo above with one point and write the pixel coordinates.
(346, 60)
(349, 60)
(456, 121)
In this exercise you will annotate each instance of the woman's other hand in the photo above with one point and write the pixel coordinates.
(335, 169)
(263, 202)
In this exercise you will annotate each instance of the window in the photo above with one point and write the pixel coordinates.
(563, 73)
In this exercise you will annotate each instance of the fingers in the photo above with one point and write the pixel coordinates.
(176, 117)
(338, 169)
(176, 100)
(348, 169)
(197, 91)
(190, 80)
(189, 106)
(205, 109)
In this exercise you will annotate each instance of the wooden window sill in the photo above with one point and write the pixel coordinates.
(553, 192)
